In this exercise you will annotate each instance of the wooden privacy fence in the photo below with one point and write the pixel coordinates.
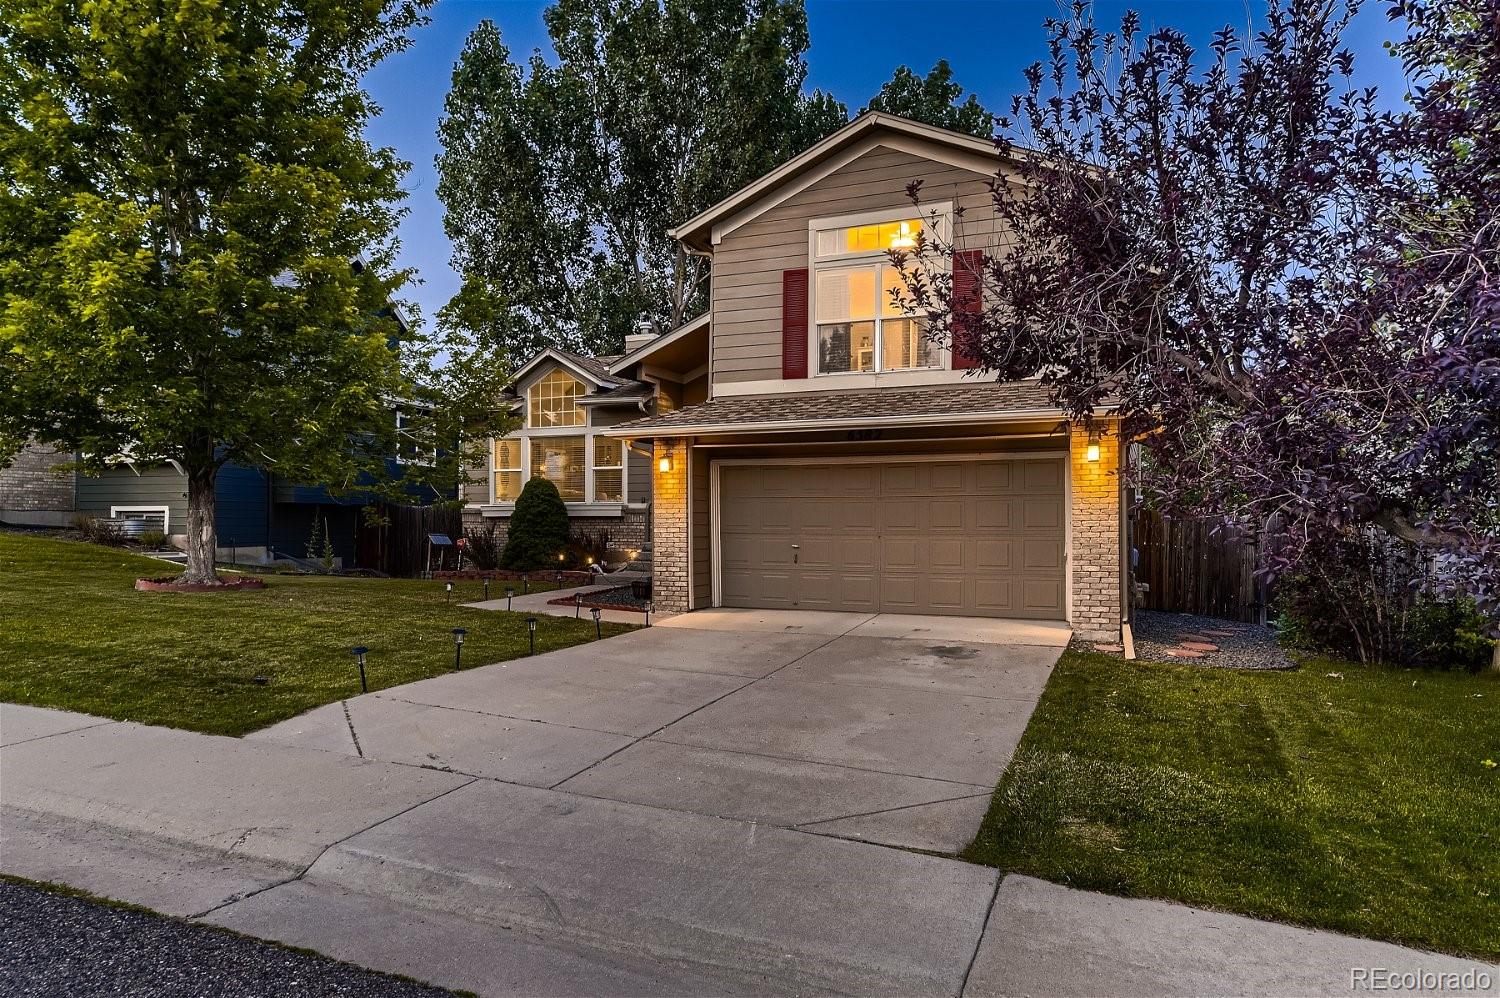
(1196, 566)
(397, 543)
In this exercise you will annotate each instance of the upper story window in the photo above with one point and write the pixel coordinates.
(860, 326)
(554, 402)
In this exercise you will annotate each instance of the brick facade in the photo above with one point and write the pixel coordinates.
(671, 529)
(629, 531)
(1096, 556)
(32, 492)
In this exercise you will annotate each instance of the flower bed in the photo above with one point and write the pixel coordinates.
(169, 584)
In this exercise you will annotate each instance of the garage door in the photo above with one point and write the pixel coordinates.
(975, 537)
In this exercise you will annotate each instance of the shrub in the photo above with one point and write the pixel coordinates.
(97, 531)
(538, 529)
(153, 539)
(588, 547)
(483, 547)
(1379, 600)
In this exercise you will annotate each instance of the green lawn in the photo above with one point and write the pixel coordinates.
(1361, 803)
(75, 635)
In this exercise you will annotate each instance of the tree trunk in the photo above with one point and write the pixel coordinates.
(1495, 658)
(202, 537)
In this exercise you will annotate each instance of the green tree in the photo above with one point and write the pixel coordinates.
(538, 529)
(183, 187)
(561, 177)
(933, 99)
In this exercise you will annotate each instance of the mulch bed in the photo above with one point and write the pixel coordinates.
(169, 584)
(618, 598)
(1186, 639)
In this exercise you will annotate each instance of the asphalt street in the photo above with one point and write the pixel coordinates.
(57, 944)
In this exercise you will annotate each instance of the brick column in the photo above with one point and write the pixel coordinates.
(1095, 558)
(670, 527)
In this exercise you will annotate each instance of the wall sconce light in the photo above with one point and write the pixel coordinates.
(664, 465)
(1092, 454)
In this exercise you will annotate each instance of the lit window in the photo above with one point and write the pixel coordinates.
(858, 298)
(609, 470)
(860, 323)
(507, 470)
(560, 461)
(881, 237)
(554, 401)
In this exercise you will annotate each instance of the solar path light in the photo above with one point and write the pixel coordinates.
(597, 632)
(531, 628)
(510, 594)
(458, 647)
(359, 658)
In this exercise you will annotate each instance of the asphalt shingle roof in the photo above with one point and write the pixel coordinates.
(812, 408)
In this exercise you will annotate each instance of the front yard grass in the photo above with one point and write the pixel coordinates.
(75, 635)
(1360, 802)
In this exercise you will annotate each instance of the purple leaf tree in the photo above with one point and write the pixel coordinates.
(1289, 295)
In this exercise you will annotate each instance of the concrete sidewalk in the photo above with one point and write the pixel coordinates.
(507, 889)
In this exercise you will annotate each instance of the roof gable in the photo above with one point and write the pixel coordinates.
(870, 131)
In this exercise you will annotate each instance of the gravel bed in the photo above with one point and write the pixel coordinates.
(618, 598)
(1247, 646)
(59, 944)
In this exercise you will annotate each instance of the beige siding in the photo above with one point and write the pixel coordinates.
(746, 342)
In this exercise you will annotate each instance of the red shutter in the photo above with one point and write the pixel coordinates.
(967, 303)
(794, 323)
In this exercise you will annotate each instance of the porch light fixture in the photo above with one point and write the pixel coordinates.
(664, 464)
(598, 633)
(1092, 454)
(531, 629)
(458, 647)
(359, 654)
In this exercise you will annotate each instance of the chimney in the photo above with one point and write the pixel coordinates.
(645, 332)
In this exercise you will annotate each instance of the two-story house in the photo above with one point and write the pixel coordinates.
(809, 446)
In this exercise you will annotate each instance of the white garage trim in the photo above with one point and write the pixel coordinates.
(717, 582)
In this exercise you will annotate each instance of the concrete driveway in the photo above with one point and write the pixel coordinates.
(882, 728)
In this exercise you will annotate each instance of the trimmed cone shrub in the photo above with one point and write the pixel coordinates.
(538, 528)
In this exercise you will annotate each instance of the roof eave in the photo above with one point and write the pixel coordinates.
(634, 430)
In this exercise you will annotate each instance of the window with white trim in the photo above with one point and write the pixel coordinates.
(609, 470)
(507, 469)
(586, 466)
(861, 326)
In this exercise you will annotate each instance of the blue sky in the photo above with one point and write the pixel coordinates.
(856, 45)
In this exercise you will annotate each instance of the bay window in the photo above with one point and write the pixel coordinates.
(584, 465)
(861, 326)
